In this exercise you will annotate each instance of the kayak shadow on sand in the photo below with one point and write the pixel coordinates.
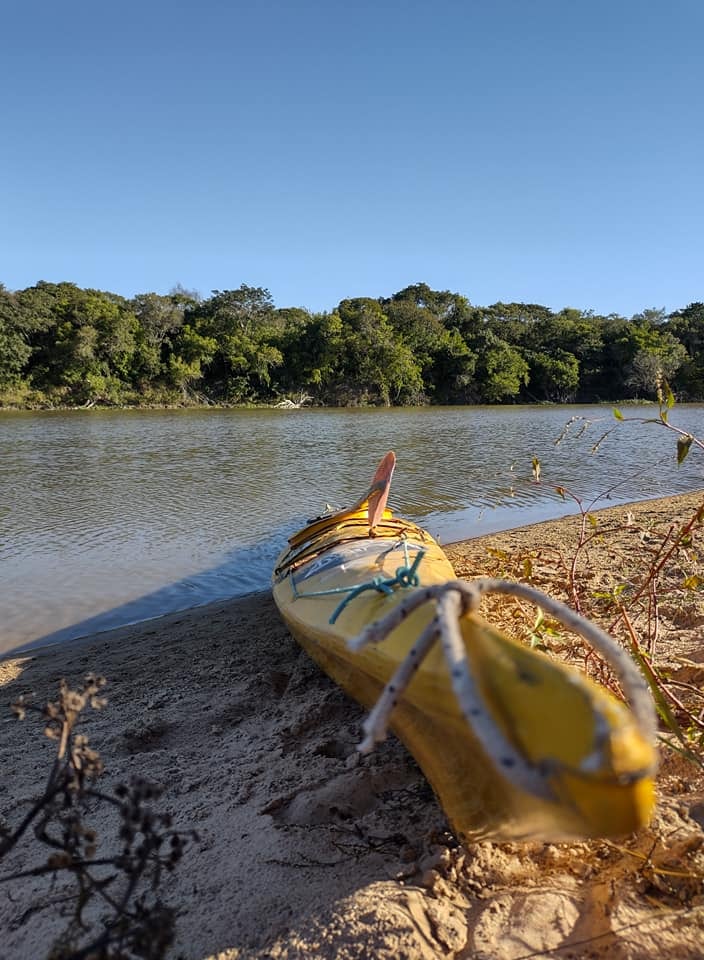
(243, 571)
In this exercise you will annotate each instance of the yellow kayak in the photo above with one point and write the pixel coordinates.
(515, 745)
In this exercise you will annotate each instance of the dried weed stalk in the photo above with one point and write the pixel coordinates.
(662, 576)
(112, 902)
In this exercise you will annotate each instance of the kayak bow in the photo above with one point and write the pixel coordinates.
(515, 745)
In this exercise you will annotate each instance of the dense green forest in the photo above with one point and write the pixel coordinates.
(61, 345)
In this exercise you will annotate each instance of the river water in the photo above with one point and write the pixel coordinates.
(109, 518)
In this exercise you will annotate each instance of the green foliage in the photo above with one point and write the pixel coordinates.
(14, 349)
(556, 377)
(159, 320)
(420, 319)
(684, 444)
(192, 351)
(657, 362)
(377, 366)
(687, 326)
(20, 319)
(502, 370)
(240, 325)
(62, 345)
(84, 349)
(312, 347)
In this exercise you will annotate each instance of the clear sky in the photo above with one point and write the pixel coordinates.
(549, 151)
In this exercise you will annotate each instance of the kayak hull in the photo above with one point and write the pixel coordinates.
(546, 709)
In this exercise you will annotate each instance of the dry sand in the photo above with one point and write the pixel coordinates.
(307, 851)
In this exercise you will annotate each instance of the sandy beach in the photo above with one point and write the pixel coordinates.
(306, 850)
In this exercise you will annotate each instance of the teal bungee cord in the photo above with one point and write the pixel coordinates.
(405, 576)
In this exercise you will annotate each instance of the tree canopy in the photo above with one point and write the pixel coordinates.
(61, 345)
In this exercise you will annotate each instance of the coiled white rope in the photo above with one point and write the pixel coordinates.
(453, 599)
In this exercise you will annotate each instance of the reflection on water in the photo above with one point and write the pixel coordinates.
(112, 517)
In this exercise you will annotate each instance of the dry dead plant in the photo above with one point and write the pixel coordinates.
(112, 904)
(638, 580)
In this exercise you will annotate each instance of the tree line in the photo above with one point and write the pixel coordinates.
(61, 345)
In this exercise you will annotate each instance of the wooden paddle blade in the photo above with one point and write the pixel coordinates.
(379, 489)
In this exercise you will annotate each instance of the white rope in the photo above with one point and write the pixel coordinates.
(376, 724)
(633, 683)
(454, 599)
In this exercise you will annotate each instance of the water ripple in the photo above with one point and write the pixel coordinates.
(113, 515)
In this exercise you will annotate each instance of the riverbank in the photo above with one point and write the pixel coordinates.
(304, 851)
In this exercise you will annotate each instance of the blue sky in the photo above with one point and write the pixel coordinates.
(542, 151)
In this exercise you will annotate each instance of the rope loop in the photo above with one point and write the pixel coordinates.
(406, 575)
(452, 601)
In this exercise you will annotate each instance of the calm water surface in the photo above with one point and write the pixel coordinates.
(112, 517)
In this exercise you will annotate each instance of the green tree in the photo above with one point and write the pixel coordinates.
(655, 363)
(159, 320)
(192, 353)
(650, 353)
(312, 350)
(84, 347)
(502, 370)
(687, 326)
(377, 366)
(554, 376)
(452, 374)
(24, 315)
(14, 347)
(428, 322)
(245, 326)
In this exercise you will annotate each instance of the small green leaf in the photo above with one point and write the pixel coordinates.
(669, 395)
(499, 554)
(663, 416)
(661, 703)
(537, 645)
(527, 568)
(683, 445)
(692, 582)
(618, 414)
(593, 522)
(536, 469)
